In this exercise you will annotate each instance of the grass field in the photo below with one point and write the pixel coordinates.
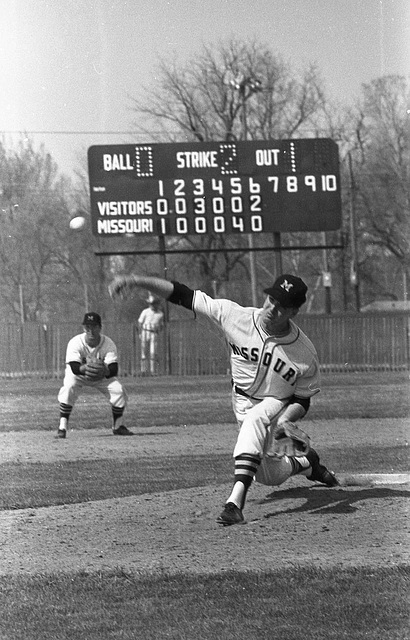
(32, 404)
(352, 418)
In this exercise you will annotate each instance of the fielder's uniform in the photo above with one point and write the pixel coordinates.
(150, 322)
(79, 351)
(266, 373)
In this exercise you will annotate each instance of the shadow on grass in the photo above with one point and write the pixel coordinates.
(326, 501)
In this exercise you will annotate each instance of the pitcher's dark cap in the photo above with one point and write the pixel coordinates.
(92, 318)
(288, 290)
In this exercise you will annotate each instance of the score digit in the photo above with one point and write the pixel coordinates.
(292, 184)
(198, 187)
(329, 183)
(217, 186)
(310, 181)
(237, 223)
(236, 185)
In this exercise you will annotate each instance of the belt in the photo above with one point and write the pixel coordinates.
(241, 392)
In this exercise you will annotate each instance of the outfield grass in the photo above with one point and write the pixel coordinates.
(32, 404)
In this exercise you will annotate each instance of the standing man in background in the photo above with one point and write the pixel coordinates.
(150, 323)
(92, 361)
(275, 373)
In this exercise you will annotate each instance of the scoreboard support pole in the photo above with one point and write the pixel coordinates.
(164, 269)
(277, 246)
(252, 265)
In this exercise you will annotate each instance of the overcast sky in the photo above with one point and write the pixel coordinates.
(67, 66)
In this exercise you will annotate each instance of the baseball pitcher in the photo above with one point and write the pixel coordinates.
(275, 373)
(91, 361)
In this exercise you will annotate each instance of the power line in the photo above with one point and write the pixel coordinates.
(85, 133)
(314, 132)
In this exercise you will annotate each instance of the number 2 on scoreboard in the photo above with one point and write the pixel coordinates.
(255, 202)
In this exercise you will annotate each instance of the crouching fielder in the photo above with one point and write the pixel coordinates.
(91, 361)
(275, 372)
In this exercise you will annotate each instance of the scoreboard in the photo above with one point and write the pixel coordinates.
(177, 189)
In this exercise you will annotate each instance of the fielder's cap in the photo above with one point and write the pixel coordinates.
(92, 318)
(288, 290)
(152, 299)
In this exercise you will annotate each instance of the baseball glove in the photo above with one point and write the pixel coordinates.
(95, 370)
(289, 440)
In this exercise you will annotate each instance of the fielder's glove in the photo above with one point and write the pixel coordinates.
(95, 370)
(289, 440)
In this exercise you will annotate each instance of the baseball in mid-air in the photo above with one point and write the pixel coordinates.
(77, 223)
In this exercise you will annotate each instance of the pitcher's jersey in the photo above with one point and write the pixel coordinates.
(79, 351)
(262, 365)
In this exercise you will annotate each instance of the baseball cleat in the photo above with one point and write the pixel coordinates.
(230, 515)
(61, 433)
(319, 471)
(122, 431)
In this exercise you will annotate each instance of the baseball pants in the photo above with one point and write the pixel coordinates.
(149, 346)
(256, 419)
(111, 388)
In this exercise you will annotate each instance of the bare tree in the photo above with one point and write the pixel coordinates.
(381, 181)
(203, 101)
(235, 91)
(29, 202)
(47, 271)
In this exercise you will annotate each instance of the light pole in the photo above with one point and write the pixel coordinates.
(247, 87)
(354, 275)
(327, 277)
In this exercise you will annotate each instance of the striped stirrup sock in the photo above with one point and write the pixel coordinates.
(117, 412)
(246, 467)
(65, 410)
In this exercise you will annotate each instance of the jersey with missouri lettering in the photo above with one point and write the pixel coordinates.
(262, 365)
(79, 351)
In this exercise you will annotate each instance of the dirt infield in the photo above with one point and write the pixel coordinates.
(296, 524)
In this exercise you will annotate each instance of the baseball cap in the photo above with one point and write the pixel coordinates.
(288, 290)
(92, 318)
